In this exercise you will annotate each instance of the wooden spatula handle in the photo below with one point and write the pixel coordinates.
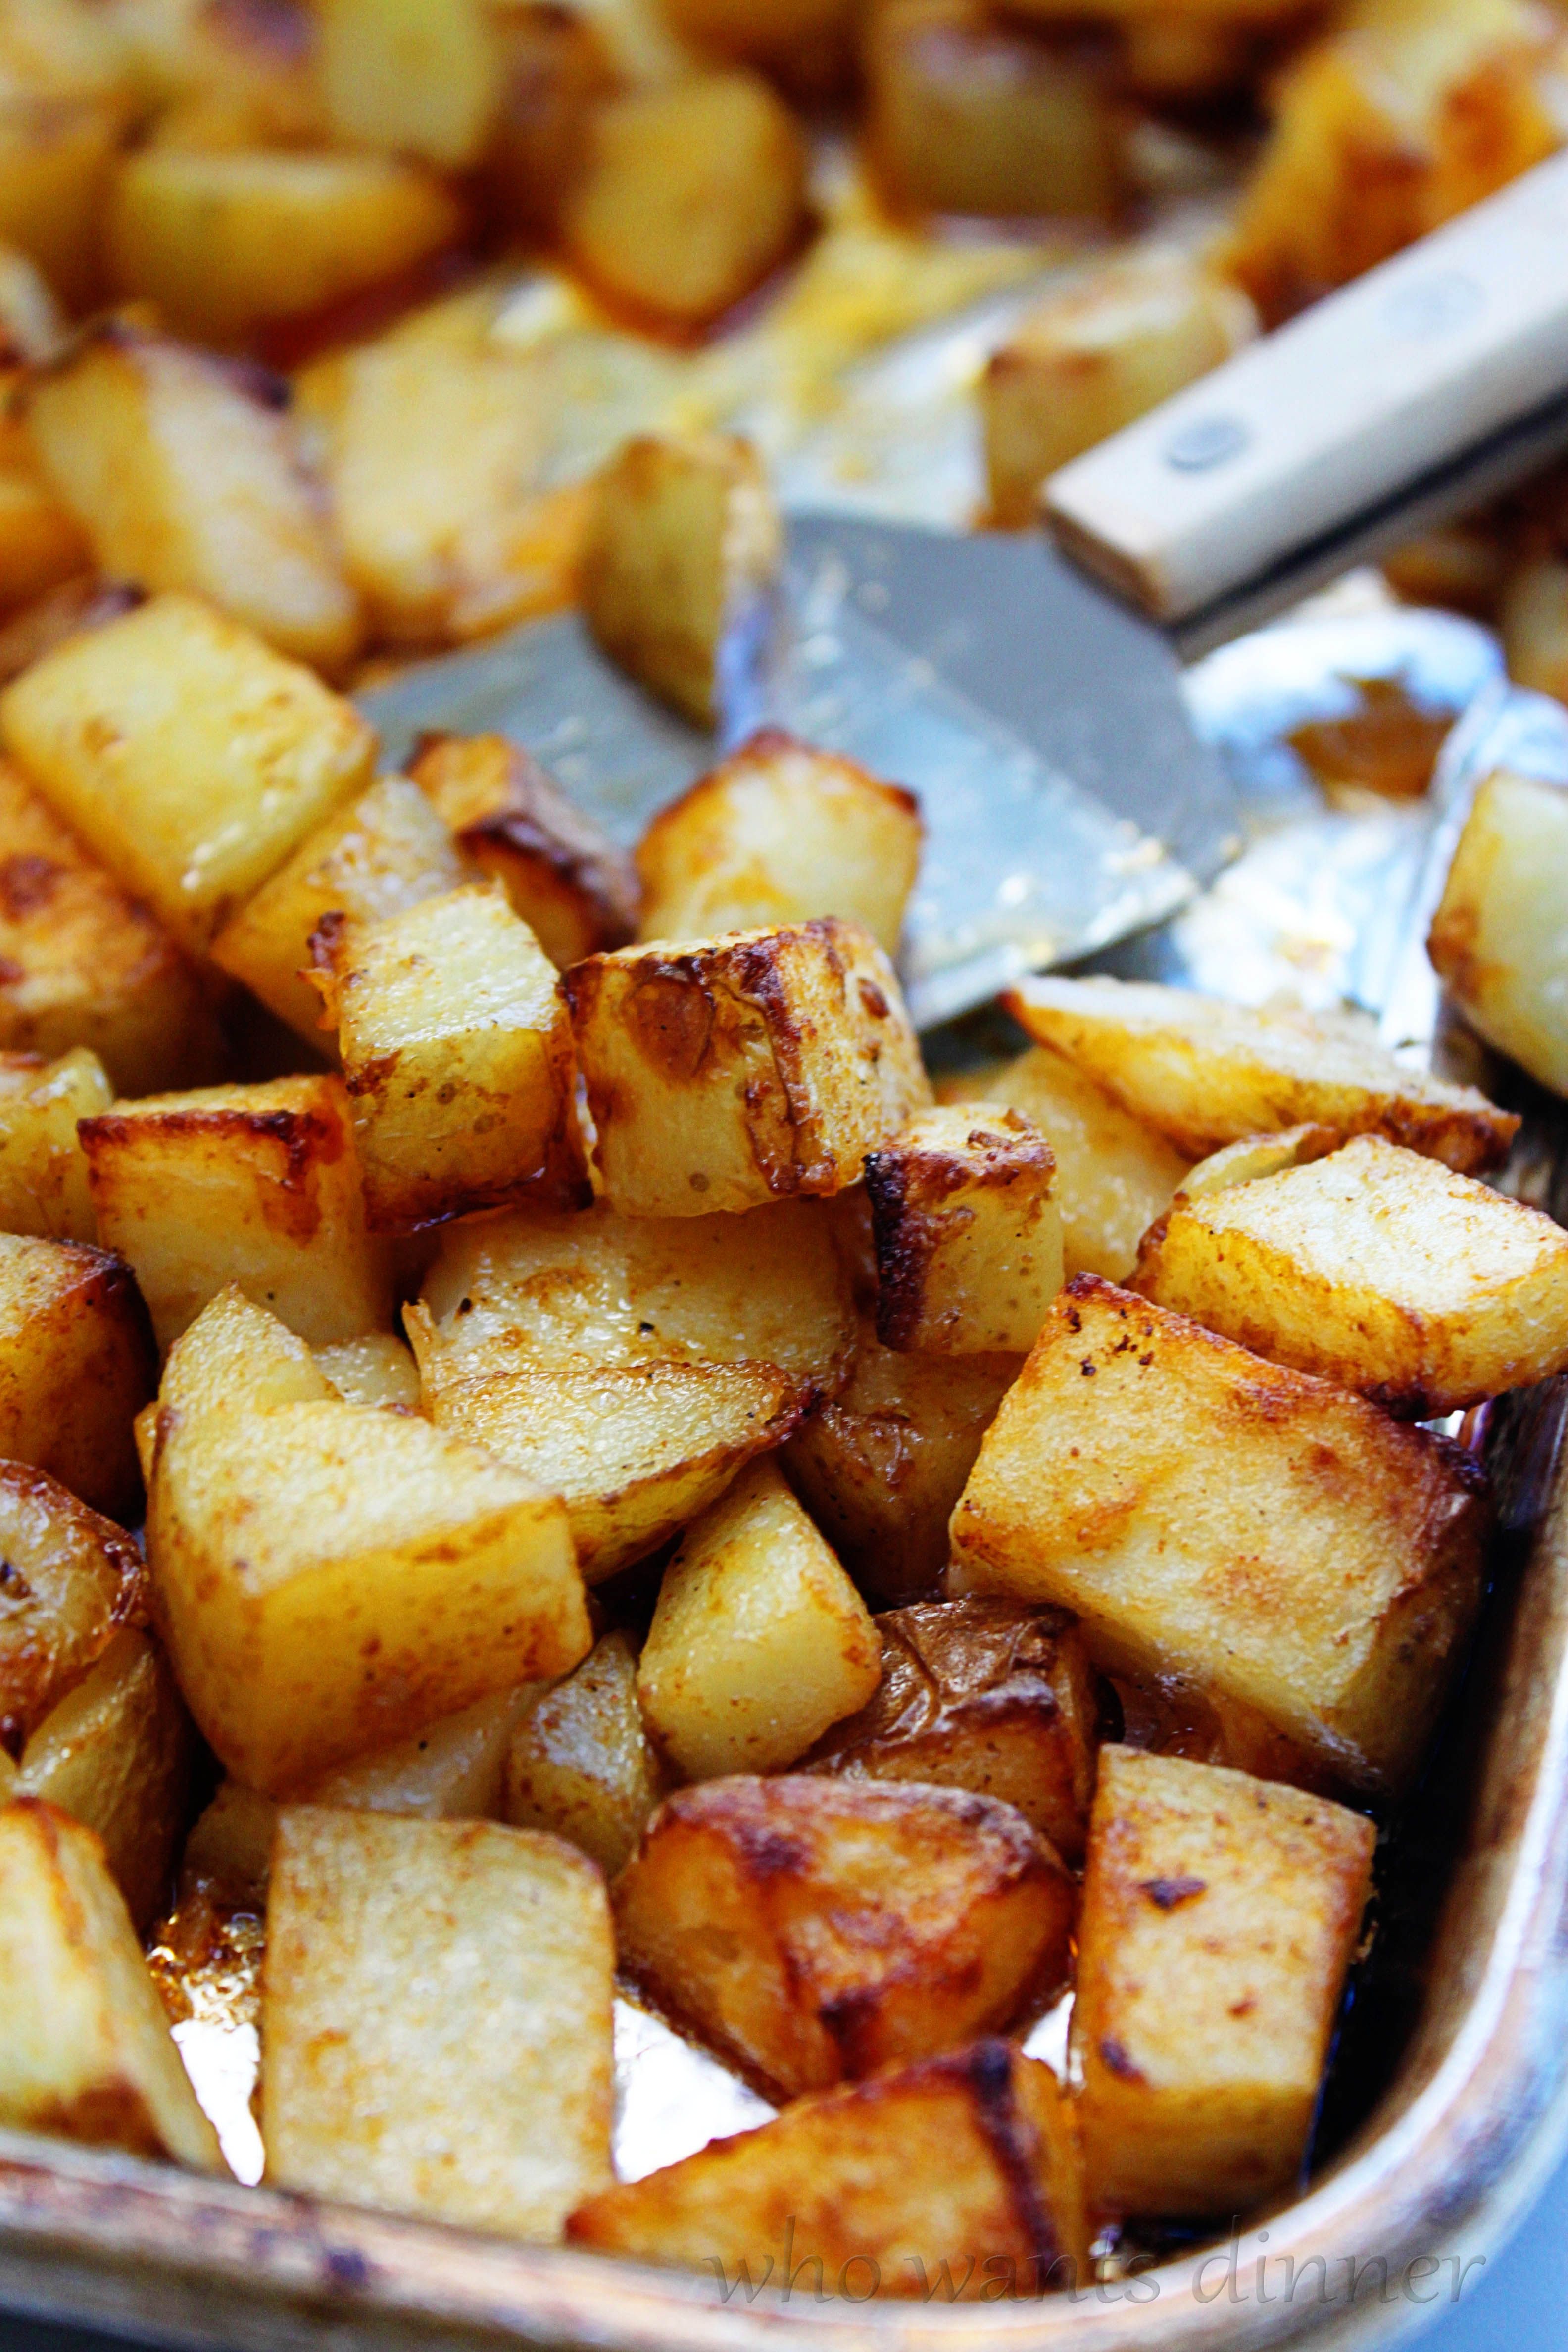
(1372, 389)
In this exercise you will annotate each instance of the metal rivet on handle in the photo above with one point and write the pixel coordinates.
(1206, 441)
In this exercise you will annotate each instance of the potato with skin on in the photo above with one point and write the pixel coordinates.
(1111, 343)
(75, 1367)
(759, 1640)
(1207, 1073)
(688, 196)
(573, 889)
(582, 1765)
(683, 545)
(377, 1368)
(1220, 1916)
(554, 70)
(71, 1581)
(1325, 1587)
(1496, 939)
(187, 754)
(779, 833)
(254, 1185)
(982, 1693)
(57, 156)
(436, 2017)
(1375, 1269)
(726, 1073)
(44, 1184)
(966, 2167)
(816, 1929)
(384, 850)
(410, 79)
(456, 1054)
(968, 1233)
(84, 965)
(85, 2047)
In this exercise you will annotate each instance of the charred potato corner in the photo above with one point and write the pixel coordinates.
(559, 1480)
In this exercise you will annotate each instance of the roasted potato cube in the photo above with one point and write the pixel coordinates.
(437, 2015)
(410, 79)
(188, 755)
(766, 1288)
(76, 1368)
(116, 1754)
(1329, 1587)
(554, 71)
(968, 113)
(1496, 939)
(634, 1449)
(183, 474)
(1220, 1915)
(683, 544)
(1532, 619)
(452, 1770)
(331, 1578)
(688, 196)
(81, 964)
(377, 1368)
(456, 1053)
(582, 1764)
(1207, 1073)
(383, 851)
(780, 834)
(56, 156)
(809, 46)
(985, 1695)
(881, 1465)
(43, 1169)
(1403, 115)
(236, 1353)
(225, 243)
(573, 889)
(759, 1639)
(257, 54)
(1094, 354)
(959, 2176)
(257, 1185)
(41, 542)
(85, 2048)
(816, 1929)
(749, 1068)
(1376, 1268)
(1255, 1156)
(1115, 1174)
(70, 1581)
(968, 1233)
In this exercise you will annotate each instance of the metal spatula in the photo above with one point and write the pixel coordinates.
(1038, 713)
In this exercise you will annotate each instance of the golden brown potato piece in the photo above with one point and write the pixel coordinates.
(76, 1368)
(85, 2048)
(1255, 1156)
(958, 2177)
(384, 850)
(256, 1185)
(1498, 938)
(187, 754)
(1532, 619)
(881, 1465)
(635, 1449)
(1089, 357)
(1115, 1174)
(759, 1639)
(683, 544)
(554, 71)
(1403, 115)
(56, 156)
(688, 196)
(780, 834)
(69, 1582)
(456, 1054)
(809, 46)
(116, 1754)
(970, 114)
(1327, 1585)
(258, 57)
(573, 889)
(331, 1578)
(183, 474)
(1376, 1268)
(817, 1929)
(1220, 1915)
(42, 543)
(452, 1770)
(43, 1169)
(437, 2017)
(377, 1368)
(410, 79)
(731, 1072)
(81, 964)
(582, 1764)
(968, 1233)
(1207, 1073)
(985, 1695)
